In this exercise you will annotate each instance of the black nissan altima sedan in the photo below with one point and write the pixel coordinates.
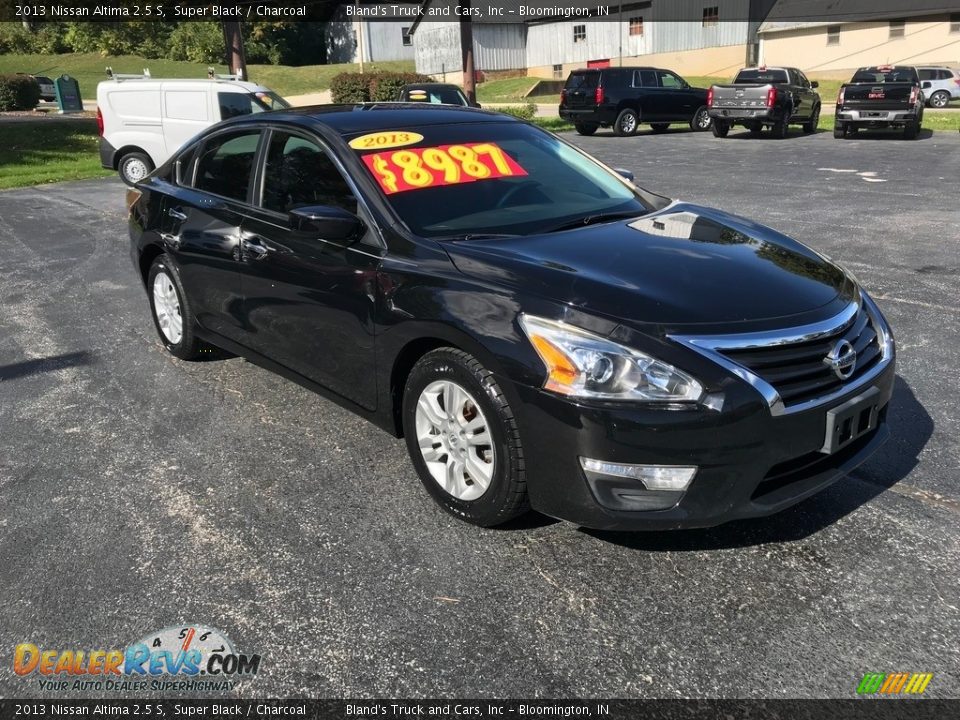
(543, 333)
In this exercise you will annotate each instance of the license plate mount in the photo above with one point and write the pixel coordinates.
(851, 420)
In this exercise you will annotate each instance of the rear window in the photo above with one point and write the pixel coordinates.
(892, 75)
(761, 76)
(582, 81)
(225, 164)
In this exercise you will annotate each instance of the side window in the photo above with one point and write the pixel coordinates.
(669, 80)
(236, 104)
(645, 78)
(225, 164)
(299, 173)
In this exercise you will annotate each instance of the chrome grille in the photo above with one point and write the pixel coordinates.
(797, 370)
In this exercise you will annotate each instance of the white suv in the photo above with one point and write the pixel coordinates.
(143, 121)
(940, 85)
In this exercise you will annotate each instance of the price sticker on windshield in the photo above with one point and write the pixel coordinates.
(418, 168)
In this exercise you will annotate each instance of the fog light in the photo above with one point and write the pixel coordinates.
(654, 477)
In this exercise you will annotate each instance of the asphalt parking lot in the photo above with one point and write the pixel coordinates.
(140, 492)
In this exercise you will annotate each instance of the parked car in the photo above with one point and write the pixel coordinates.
(773, 97)
(940, 85)
(881, 96)
(435, 94)
(142, 121)
(625, 98)
(47, 91)
(543, 332)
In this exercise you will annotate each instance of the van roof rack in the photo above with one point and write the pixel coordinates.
(119, 77)
(212, 74)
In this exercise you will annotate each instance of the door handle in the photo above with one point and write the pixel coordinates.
(171, 239)
(254, 248)
(176, 214)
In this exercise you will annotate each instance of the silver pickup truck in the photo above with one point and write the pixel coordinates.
(774, 97)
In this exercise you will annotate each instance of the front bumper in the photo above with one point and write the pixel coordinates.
(750, 463)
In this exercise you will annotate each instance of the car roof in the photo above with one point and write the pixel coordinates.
(372, 117)
(240, 86)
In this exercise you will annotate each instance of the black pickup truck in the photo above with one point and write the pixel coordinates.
(774, 97)
(882, 96)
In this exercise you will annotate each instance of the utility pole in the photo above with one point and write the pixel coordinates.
(236, 57)
(466, 50)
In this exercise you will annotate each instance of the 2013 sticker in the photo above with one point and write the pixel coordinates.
(385, 140)
(419, 168)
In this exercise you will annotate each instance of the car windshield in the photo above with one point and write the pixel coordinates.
(493, 178)
(269, 100)
(887, 75)
(761, 76)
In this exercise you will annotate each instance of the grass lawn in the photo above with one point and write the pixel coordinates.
(509, 90)
(44, 151)
(89, 69)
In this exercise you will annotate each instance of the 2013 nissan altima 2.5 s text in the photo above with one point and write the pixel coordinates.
(543, 333)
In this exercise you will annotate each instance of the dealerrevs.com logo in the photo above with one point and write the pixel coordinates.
(188, 657)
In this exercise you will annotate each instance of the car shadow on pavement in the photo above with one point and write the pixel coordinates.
(911, 427)
(46, 364)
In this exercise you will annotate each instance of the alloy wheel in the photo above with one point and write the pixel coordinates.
(166, 306)
(455, 440)
(703, 119)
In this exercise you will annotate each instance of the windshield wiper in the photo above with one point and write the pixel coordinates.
(478, 236)
(594, 219)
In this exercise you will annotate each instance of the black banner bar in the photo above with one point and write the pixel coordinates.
(864, 709)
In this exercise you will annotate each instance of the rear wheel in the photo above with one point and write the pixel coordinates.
(810, 126)
(755, 129)
(172, 314)
(626, 124)
(842, 130)
(701, 120)
(134, 167)
(586, 128)
(779, 128)
(720, 128)
(463, 439)
(939, 99)
(911, 130)
(660, 127)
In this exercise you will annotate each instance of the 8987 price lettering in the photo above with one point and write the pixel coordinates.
(418, 168)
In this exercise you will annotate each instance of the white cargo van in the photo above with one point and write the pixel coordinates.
(143, 121)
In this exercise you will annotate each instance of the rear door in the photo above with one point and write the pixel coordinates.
(581, 87)
(186, 112)
(308, 302)
(201, 220)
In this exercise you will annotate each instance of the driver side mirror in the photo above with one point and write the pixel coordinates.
(814, 84)
(326, 223)
(625, 174)
(926, 85)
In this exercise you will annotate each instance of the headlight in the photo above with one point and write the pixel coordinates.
(581, 364)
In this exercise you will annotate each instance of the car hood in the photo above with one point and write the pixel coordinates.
(685, 264)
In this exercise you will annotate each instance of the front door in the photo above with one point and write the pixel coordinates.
(678, 101)
(308, 303)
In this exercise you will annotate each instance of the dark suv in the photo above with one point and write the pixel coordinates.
(623, 98)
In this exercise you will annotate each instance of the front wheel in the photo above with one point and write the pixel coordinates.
(720, 128)
(701, 120)
(463, 439)
(586, 128)
(134, 167)
(626, 124)
(810, 126)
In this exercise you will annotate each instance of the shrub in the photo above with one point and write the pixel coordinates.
(18, 92)
(199, 42)
(524, 112)
(385, 86)
(350, 88)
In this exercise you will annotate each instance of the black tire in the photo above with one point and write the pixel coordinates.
(810, 126)
(701, 120)
(940, 99)
(626, 124)
(839, 131)
(755, 129)
(134, 167)
(506, 496)
(586, 128)
(660, 127)
(720, 128)
(189, 347)
(780, 128)
(911, 130)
